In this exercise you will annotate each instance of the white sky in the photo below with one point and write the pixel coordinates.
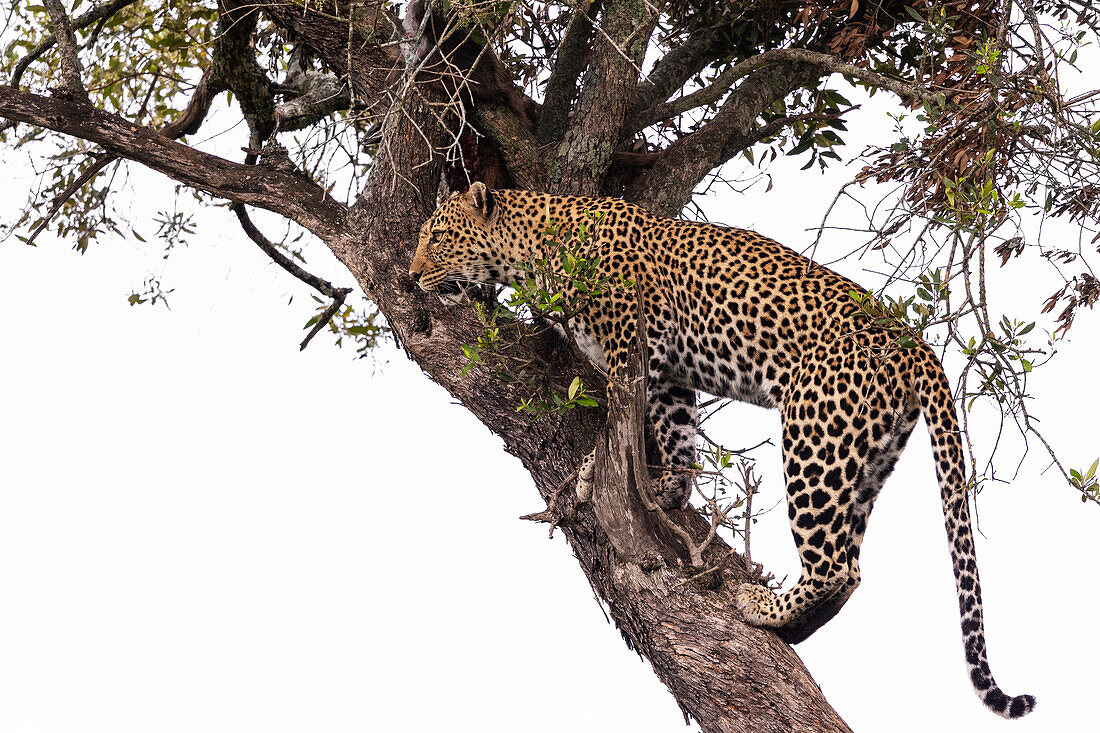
(203, 529)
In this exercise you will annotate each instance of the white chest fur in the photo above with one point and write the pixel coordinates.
(588, 345)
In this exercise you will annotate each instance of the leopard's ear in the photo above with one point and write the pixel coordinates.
(480, 199)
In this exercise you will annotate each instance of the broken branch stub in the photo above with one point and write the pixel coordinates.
(622, 474)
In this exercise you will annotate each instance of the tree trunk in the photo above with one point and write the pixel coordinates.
(724, 674)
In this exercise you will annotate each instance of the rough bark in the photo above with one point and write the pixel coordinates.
(585, 152)
(561, 87)
(71, 86)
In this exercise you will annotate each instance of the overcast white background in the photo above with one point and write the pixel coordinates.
(203, 529)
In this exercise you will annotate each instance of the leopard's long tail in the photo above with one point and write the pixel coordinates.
(938, 407)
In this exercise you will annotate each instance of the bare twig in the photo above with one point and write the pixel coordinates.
(323, 286)
(99, 162)
(749, 485)
(550, 513)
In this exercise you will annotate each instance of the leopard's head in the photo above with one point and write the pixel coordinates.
(456, 247)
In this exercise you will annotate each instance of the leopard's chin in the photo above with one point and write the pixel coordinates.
(452, 291)
(450, 299)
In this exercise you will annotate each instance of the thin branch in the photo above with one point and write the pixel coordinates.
(740, 142)
(100, 161)
(321, 285)
(325, 317)
(187, 123)
(725, 81)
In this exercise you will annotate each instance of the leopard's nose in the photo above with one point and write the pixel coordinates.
(414, 273)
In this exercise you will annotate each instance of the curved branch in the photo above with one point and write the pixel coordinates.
(668, 184)
(187, 123)
(321, 285)
(725, 81)
(680, 64)
(286, 192)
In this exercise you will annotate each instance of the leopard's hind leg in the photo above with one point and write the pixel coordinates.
(880, 463)
(837, 418)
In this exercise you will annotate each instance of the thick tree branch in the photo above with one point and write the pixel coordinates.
(313, 95)
(585, 153)
(71, 84)
(680, 64)
(286, 192)
(668, 184)
(515, 143)
(235, 65)
(98, 13)
(570, 61)
(363, 51)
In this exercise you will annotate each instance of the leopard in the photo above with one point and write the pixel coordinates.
(731, 313)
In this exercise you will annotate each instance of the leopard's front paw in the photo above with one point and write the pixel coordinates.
(673, 490)
(756, 604)
(586, 475)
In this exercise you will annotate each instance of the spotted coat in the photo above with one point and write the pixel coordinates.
(732, 313)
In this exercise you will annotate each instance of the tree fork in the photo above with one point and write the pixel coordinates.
(726, 675)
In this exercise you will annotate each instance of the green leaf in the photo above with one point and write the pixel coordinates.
(575, 385)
